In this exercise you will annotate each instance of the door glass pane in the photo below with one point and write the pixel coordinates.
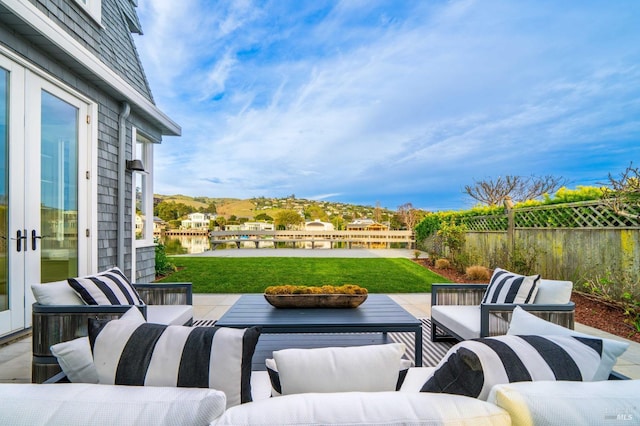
(58, 189)
(4, 188)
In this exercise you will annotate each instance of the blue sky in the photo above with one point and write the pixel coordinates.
(390, 102)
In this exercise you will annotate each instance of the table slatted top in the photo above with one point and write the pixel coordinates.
(378, 312)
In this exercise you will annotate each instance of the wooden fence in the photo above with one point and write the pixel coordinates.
(565, 241)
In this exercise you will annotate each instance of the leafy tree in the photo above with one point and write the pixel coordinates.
(220, 221)
(263, 216)
(287, 219)
(338, 223)
(314, 212)
(170, 210)
(518, 188)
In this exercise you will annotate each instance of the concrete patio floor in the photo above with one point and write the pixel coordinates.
(15, 357)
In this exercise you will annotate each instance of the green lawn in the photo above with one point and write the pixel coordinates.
(253, 275)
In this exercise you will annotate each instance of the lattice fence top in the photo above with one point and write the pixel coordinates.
(486, 223)
(589, 214)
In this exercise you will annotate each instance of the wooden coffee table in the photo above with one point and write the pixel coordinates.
(378, 314)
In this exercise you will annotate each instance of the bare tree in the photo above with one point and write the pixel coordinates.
(408, 215)
(623, 192)
(518, 188)
(377, 213)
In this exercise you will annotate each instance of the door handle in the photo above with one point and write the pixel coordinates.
(19, 238)
(34, 237)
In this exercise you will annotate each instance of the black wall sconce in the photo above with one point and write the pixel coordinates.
(135, 166)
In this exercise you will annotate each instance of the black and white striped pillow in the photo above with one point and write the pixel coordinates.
(146, 354)
(106, 288)
(507, 287)
(473, 367)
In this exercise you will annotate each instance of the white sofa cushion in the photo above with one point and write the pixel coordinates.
(553, 292)
(55, 293)
(370, 408)
(129, 353)
(464, 320)
(169, 314)
(110, 287)
(507, 287)
(570, 403)
(523, 323)
(473, 367)
(82, 403)
(339, 369)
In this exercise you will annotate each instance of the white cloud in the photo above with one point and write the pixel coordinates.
(376, 100)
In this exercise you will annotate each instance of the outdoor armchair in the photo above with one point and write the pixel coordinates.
(166, 303)
(457, 310)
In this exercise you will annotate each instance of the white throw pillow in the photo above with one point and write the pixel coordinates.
(55, 293)
(75, 360)
(276, 388)
(357, 368)
(75, 356)
(609, 402)
(84, 403)
(525, 323)
(366, 408)
(553, 292)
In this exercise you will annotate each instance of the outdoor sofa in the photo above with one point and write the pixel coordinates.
(522, 403)
(130, 371)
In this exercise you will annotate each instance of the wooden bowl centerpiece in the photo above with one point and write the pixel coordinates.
(326, 296)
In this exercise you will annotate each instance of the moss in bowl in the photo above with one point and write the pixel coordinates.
(326, 296)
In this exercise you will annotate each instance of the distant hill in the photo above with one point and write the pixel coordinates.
(249, 208)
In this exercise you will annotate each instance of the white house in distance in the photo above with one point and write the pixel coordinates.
(257, 226)
(198, 221)
(318, 225)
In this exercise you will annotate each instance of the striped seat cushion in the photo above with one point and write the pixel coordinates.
(473, 367)
(507, 287)
(147, 354)
(106, 288)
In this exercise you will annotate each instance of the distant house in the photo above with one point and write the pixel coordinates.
(75, 109)
(159, 225)
(318, 225)
(366, 225)
(198, 221)
(257, 226)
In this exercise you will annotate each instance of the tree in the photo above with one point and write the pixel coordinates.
(377, 213)
(170, 210)
(264, 217)
(408, 215)
(315, 212)
(338, 223)
(518, 188)
(624, 192)
(286, 219)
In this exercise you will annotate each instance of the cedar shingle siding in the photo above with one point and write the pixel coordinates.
(113, 44)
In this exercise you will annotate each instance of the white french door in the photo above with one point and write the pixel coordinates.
(44, 189)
